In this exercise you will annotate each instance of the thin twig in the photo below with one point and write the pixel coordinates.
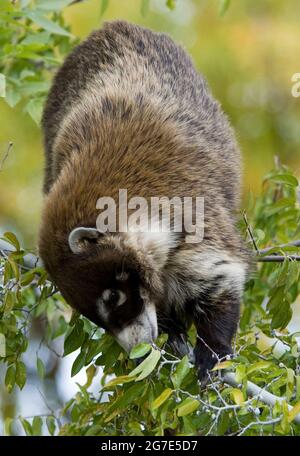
(281, 246)
(277, 258)
(249, 229)
(260, 423)
(6, 154)
(215, 355)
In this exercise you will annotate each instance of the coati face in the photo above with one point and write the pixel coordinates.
(107, 285)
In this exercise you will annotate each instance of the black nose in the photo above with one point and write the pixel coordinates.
(141, 359)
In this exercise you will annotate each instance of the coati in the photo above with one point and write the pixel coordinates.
(128, 110)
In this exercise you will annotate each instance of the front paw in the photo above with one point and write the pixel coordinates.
(206, 359)
(180, 346)
(204, 366)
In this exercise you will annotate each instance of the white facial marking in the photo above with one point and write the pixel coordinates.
(106, 295)
(142, 329)
(122, 298)
(103, 302)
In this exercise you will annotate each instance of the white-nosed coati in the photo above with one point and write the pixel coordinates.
(127, 110)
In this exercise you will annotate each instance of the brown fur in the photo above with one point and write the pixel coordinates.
(128, 110)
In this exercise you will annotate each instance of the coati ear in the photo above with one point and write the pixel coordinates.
(80, 237)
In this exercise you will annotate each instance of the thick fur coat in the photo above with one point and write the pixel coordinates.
(128, 110)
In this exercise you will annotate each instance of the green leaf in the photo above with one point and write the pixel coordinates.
(145, 7)
(2, 346)
(162, 398)
(280, 278)
(52, 5)
(127, 398)
(181, 370)
(223, 423)
(8, 428)
(46, 23)
(14, 266)
(10, 378)
(12, 239)
(90, 374)
(188, 406)
(75, 339)
(93, 349)
(24, 3)
(139, 350)
(171, 4)
(40, 38)
(35, 108)
(6, 6)
(282, 203)
(287, 179)
(2, 85)
(40, 368)
(119, 381)
(12, 97)
(240, 373)
(74, 318)
(96, 429)
(293, 274)
(37, 425)
(6, 277)
(276, 299)
(161, 340)
(147, 366)
(26, 426)
(20, 374)
(259, 366)
(297, 387)
(104, 6)
(294, 412)
(78, 363)
(259, 234)
(27, 278)
(33, 88)
(50, 422)
(281, 315)
(222, 365)
(224, 5)
(9, 302)
(237, 396)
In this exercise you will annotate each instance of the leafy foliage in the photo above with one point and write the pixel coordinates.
(34, 39)
(161, 395)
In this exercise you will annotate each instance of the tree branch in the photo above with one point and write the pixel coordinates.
(6, 154)
(30, 261)
(277, 258)
(274, 258)
(254, 390)
(281, 246)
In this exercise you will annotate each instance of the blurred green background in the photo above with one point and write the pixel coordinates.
(248, 56)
